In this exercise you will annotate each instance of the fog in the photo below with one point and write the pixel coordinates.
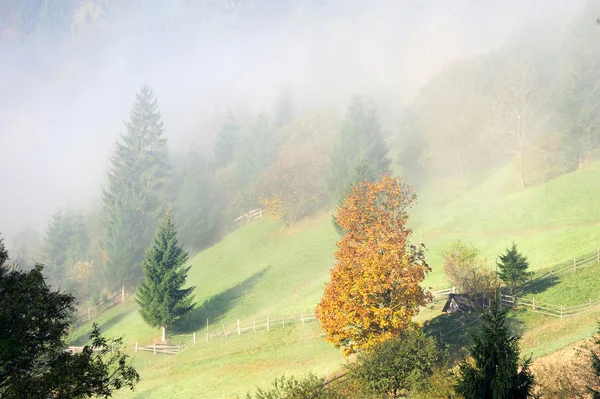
(64, 97)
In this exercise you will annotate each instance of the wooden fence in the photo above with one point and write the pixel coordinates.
(443, 293)
(222, 331)
(92, 312)
(546, 308)
(250, 215)
(269, 323)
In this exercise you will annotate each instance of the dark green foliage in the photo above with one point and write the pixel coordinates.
(195, 210)
(57, 241)
(137, 191)
(256, 152)
(513, 267)
(495, 371)
(399, 366)
(360, 138)
(79, 244)
(310, 387)
(595, 366)
(160, 295)
(33, 361)
(226, 141)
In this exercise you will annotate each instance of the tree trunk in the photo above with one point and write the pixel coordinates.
(521, 172)
(164, 333)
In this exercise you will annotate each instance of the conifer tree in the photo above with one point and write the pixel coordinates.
(56, 246)
(79, 244)
(496, 371)
(196, 214)
(226, 141)
(136, 193)
(257, 152)
(513, 267)
(360, 138)
(160, 295)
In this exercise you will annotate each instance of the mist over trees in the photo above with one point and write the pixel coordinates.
(293, 143)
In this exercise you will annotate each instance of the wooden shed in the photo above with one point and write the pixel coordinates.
(459, 303)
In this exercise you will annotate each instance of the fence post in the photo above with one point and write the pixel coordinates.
(136, 346)
(302, 318)
(254, 325)
(533, 303)
(194, 338)
(239, 331)
(154, 346)
(206, 329)
(123, 293)
(267, 323)
(224, 330)
(574, 265)
(561, 310)
(283, 320)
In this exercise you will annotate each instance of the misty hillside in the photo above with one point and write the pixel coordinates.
(267, 269)
(168, 165)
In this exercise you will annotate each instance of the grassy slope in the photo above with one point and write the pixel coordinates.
(263, 269)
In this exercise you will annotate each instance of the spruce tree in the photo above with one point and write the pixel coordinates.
(513, 267)
(79, 244)
(56, 246)
(256, 152)
(595, 367)
(496, 371)
(195, 210)
(360, 137)
(226, 141)
(160, 295)
(136, 193)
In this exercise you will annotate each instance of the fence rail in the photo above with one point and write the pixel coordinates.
(93, 312)
(547, 308)
(250, 215)
(222, 330)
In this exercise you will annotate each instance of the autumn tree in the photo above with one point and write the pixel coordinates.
(375, 284)
(466, 269)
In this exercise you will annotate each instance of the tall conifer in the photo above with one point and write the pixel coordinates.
(161, 297)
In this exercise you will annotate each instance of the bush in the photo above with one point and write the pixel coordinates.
(310, 387)
(399, 366)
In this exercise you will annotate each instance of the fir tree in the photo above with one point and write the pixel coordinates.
(593, 388)
(257, 152)
(513, 267)
(56, 246)
(136, 191)
(196, 213)
(160, 295)
(496, 371)
(226, 141)
(360, 137)
(79, 244)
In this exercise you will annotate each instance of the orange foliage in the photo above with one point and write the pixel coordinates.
(375, 289)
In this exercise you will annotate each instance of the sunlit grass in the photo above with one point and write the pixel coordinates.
(265, 269)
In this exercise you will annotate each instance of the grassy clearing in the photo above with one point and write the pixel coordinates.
(264, 269)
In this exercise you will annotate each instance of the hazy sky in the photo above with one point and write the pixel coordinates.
(63, 100)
